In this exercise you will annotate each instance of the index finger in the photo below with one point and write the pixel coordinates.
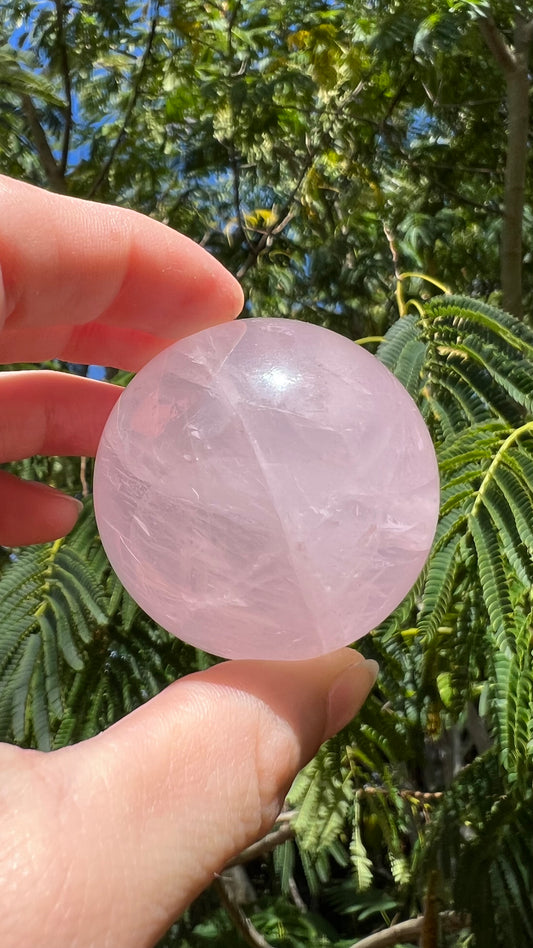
(87, 282)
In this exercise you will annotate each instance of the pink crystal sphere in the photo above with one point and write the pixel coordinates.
(266, 489)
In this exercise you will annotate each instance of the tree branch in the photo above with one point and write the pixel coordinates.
(497, 45)
(241, 921)
(236, 173)
(401, 933)
(421, 796)
(134, 95)
(264, 845)
(65, 72)
(294, 893)
(282, 222)
(53, 172)
(287, 212)
(409, 931)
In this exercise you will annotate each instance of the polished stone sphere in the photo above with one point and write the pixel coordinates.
(266, 489)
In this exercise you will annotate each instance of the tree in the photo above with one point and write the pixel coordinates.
(509, 43)
(514, 64)
(284, 141)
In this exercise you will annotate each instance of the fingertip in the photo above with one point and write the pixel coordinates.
(95, 263)
(349, 692)
(316, 697)
(235, 296)
(33, 513)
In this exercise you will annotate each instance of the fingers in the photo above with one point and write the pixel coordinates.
(91, 284)
(52, 413)
(33, 513)
(45, 413)
(155, 806)
(66, 263)
(92, 344)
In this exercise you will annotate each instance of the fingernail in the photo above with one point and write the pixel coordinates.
(348, 693)
(74, 508)
(74, 505)
(59, 496)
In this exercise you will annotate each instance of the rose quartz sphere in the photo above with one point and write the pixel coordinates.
(266, 489)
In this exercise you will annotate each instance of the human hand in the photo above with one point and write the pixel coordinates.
(105, 843)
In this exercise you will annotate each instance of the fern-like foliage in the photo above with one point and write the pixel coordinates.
(440, 761)
(323, 796)
(76, 653)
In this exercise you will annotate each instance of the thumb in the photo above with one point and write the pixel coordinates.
(154, 807)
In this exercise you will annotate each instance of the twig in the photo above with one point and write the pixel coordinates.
(420, 795)
(263, 846)
(393, 249)
(294, 893)
(241, 921)
(83, 477)
(398, 291)
(136, 88)
(284, 219)
(286, 816)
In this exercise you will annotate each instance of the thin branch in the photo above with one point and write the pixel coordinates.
(284, 219)
(402, 933)
(287, 212)
(235, 169)
(421, 796)
(85, 490)
(468, 169)
(391, 240)
(55, 177)
(409, 931)
(398, 97)
(432, 98)
(398, 292)
(239, 918)
(65, 72)
(467, 103)
(294, 893)
(286, 816)
(134, 95)
(264, 845)
(203, 242)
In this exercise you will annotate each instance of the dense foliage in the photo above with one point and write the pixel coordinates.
(320, 149)
(308, 145)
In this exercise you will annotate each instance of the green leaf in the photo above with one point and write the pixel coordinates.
(492, 575)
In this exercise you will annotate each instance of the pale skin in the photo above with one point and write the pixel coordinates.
(104, 844)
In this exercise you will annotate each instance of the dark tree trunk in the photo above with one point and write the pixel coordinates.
(514, 65)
